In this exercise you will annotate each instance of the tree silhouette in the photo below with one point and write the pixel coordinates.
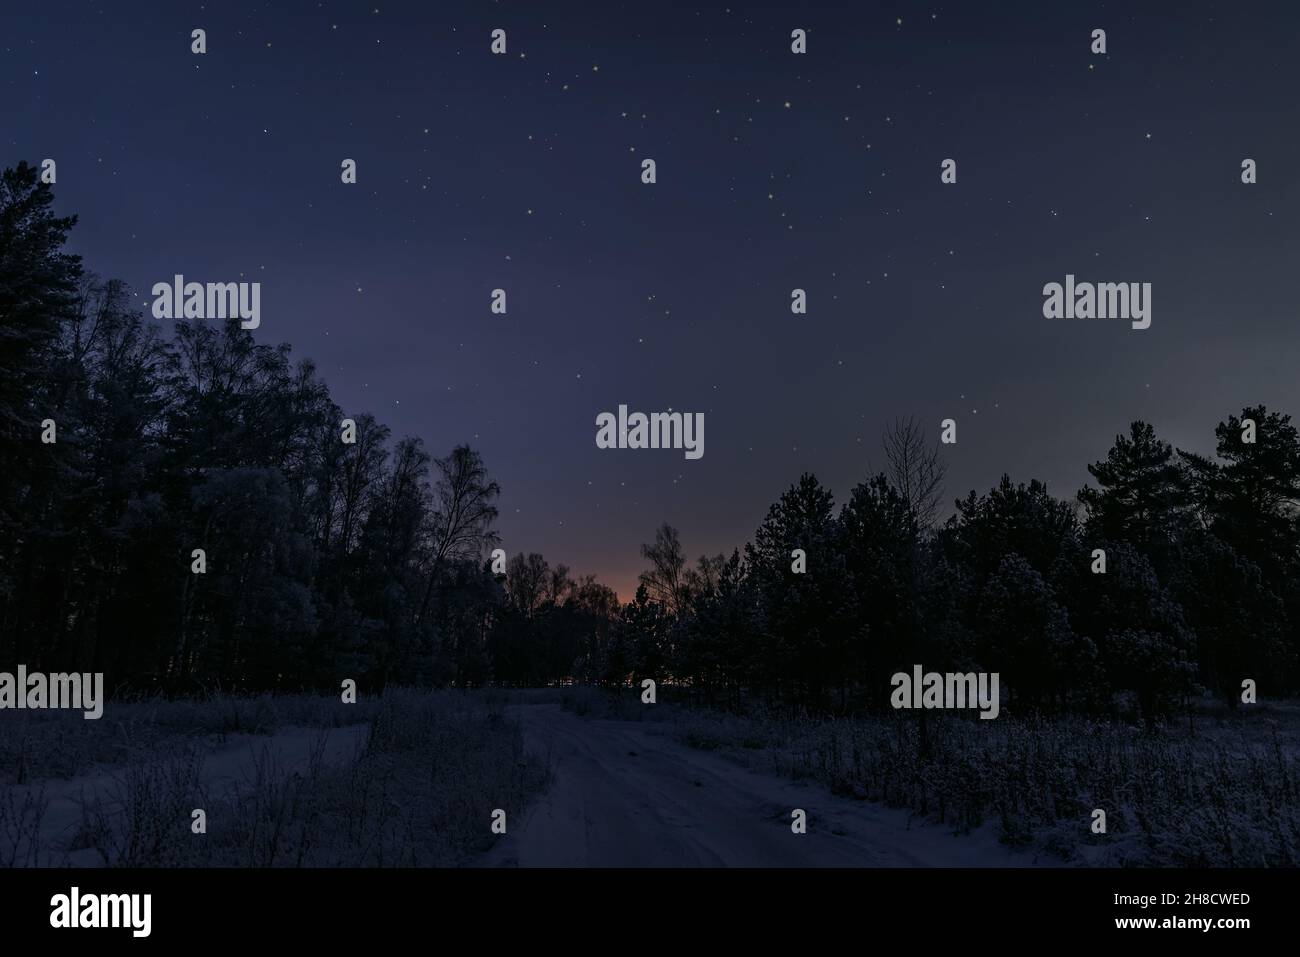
(323, 559)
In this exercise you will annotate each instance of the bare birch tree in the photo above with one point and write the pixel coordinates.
(915, 468)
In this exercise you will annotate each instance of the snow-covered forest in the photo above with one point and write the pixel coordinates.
(325, 560)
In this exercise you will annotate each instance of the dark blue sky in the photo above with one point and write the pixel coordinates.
(523, 172)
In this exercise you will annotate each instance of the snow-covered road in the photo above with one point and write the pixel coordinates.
(624, 793)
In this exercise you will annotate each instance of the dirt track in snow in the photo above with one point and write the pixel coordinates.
(624, 793)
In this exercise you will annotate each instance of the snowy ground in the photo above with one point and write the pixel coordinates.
(623, 793)
(690, 789)
(230, 766)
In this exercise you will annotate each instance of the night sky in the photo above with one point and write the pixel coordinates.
(775, 171)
